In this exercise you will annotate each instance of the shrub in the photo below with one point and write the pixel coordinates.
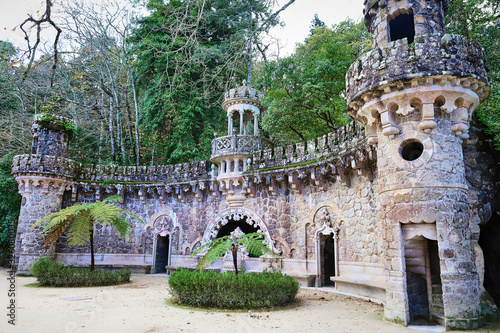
(53, 274)
(227, 290)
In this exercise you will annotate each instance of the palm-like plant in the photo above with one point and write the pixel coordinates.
(253, 242)
(80, 219)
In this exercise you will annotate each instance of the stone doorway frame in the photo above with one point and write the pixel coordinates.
(414, 231)
(326, 231)
(163, 224)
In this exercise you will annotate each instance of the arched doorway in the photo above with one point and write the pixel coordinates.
(423, 274)
(230, 219)
(162, 253)
(232, 224)
(326, 257)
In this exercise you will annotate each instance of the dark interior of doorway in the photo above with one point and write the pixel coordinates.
(161, 260)
(328, 261)
(233, 224)
(423, 281)
(489, 240)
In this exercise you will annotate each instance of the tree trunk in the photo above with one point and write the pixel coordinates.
(111, 134)
(92, 262)
(129, 123)
(234, 251)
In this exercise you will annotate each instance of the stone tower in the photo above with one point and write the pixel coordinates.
(415, 93)
(43, 176)
(231, 154)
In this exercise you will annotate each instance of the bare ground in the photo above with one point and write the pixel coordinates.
(141, 307)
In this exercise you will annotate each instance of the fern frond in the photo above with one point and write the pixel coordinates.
(254, 243)
(218, 248)
(79, 230)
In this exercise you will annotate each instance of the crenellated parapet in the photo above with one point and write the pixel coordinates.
(397, 65)
(358, 160)
(331, 144)
(173, 173)
(44, 165)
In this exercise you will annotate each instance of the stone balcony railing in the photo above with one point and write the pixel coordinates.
(238, 144)
(431, 54)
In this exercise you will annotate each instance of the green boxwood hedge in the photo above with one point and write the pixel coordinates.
(53, 274)
(227, 290)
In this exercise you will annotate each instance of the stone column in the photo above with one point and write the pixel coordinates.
(242, 112)
(229, 124)
(255, 125)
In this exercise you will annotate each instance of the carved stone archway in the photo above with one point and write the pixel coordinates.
(237, 213)
(325, 220)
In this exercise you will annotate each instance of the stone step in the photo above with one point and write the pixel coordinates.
(437, 289)
(437, 298)
(415, 262)
(437, 308)
(439, 318)
(416, 269)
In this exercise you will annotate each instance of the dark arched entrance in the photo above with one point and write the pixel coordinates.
(162, 252)
(233, 224)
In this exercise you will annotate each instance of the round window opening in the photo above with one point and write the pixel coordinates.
(411, 150)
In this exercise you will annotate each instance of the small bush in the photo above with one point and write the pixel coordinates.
(227, 290)
(53, 274)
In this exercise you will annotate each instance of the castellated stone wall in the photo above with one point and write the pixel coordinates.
(296, 194)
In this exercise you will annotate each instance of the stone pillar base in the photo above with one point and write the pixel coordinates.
(465, 323)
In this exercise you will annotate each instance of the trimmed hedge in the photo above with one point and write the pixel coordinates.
(227, 290)
(53, 274)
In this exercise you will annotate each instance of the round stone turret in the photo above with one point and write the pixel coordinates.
(231, 154)
(415, 93)
(43, 177)
(51, 135)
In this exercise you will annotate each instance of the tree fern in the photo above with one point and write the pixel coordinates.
(80, 219)
(253, 242)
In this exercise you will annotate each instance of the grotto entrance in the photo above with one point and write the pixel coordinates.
(423, 281)
(489, 240)
(162, 252)
(233, 224)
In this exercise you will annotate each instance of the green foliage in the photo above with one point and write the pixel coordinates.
(304, 93)
(79, 220)
(253, 243)
(10, 200)
(479, 20)
(188, 54)
(227, 290)
(53, 274)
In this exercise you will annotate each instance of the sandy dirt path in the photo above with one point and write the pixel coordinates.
(141, 307)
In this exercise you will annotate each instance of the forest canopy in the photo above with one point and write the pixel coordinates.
(144, 82)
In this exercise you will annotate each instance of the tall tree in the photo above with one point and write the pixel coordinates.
(188, 54)
(304, 93)
(479, 20)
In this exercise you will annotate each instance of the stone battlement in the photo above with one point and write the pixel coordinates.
(160, 173)
(334, 143)
(430, 55)
(44, 165)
